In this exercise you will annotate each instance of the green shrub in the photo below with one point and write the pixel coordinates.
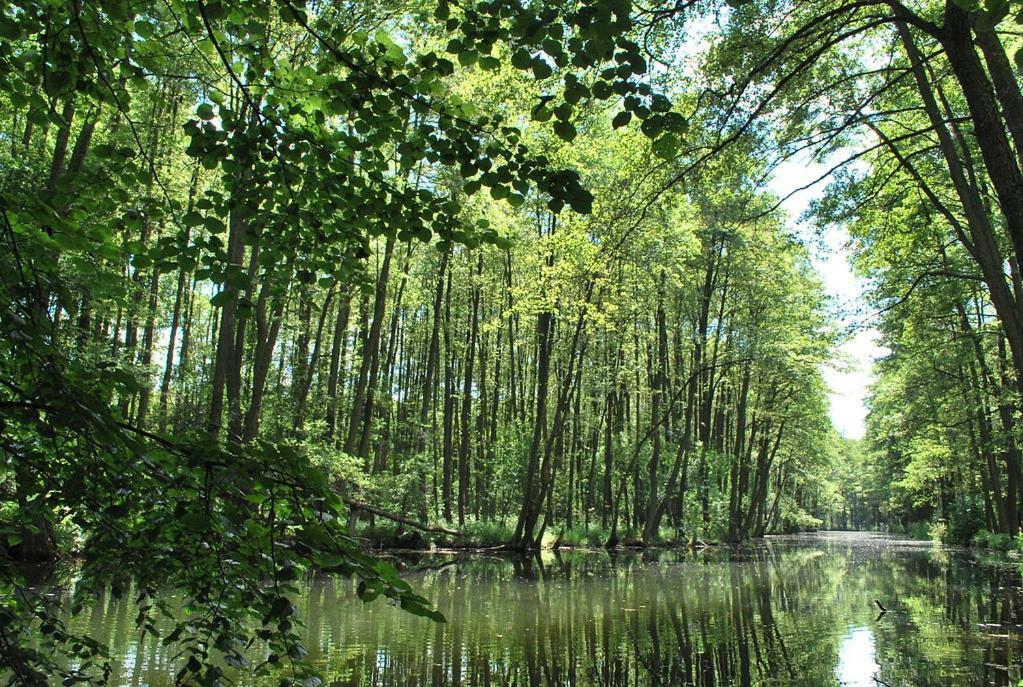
(629, 534)
(669, 535)
(993, 540)
(1000, 542)
(379, 534)
(796, 519)
(486, 533)
(919, 530)
(593, 536)
(965, 519)
(980, 539)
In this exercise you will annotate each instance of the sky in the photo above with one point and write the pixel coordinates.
(850, 378)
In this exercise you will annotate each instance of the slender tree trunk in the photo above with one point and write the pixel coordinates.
(466, 416)
(146, 357)
(740, 467)
(226, 346)
(449, 406)
(660, 381)
(337, 366)
(1006, 86)
(978, 238)
(1004, 173)
(523, 536)
(430, 378)
(362, 401)
(179, 298)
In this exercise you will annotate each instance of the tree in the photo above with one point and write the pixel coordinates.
(201, 200)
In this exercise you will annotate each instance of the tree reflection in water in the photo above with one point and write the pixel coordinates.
(787, 611)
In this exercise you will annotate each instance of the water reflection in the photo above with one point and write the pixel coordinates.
(790, 611)
(856, 664)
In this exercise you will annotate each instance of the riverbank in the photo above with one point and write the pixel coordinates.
(490, 535)
(383, 535)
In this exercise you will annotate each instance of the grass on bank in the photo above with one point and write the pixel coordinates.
(940, 533)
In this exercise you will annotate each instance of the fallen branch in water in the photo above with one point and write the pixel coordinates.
(359, 505)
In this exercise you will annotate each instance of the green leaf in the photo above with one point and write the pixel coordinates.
(575, 91)
(222, 298)
(601, 90)
(281, 608)
(621, 119)
(214, 225)
(192, 219)
(417, 607)
(521, 59)
(581, 201)
(637, 63)
(565, 130)
(652, 127)
(666, 147)
(674, 121)
(540, 113)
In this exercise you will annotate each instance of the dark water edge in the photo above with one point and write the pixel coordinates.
(786, 610)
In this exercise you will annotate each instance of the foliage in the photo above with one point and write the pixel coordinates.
(592, 536)
(965, 520)
(937, 532)
(230, 528)
(993, 540)
(272, 269)
(485, 534)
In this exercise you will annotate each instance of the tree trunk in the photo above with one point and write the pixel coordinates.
(338, 348)
(362, 401)
(466, 415)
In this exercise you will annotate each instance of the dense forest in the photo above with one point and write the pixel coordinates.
(282, 280)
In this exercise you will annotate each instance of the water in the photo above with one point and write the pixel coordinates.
(785, 611)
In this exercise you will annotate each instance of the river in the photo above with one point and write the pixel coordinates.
(795, 610)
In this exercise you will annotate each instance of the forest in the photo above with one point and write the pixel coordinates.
(286, 281)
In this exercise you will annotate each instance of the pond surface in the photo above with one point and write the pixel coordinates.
(784, 611)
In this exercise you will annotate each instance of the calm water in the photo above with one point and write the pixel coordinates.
(787, 611)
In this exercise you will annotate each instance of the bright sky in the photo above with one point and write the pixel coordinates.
(857, 659)
(849, 379)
